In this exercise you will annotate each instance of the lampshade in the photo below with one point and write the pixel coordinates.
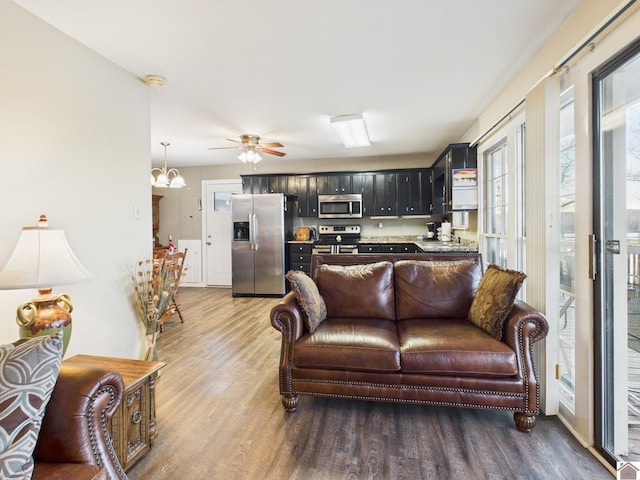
(42, 258)
(352, 130)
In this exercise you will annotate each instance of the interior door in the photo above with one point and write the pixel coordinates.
(616, 90)
(217, 231)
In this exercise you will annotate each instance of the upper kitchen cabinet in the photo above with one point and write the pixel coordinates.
(286, 184)
(415, 192)
(307, 196)
(459, 159)
(363, 183)
(334, 184)
(385, 194)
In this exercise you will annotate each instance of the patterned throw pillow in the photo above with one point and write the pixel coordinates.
(28, 372)
(494, 299)
(309, 299)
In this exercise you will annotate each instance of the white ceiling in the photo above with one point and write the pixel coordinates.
(420, 71)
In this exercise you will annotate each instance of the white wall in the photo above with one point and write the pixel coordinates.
(582, 23)
(74, 145)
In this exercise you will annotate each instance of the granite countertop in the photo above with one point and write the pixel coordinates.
(424, 244)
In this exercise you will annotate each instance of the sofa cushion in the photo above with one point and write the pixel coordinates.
(494, 299)
(358, 291)
(359, 344)
(435, 289)
(452, 347)
(309, 299)
(28, 372)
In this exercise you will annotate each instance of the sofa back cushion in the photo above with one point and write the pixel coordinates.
(360, 291)
(436, 289)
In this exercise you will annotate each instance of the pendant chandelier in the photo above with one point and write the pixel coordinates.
(166, 177)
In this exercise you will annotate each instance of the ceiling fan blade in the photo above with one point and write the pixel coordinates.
(233, 140)
(272, 152)
(221, 148)
(272, 144)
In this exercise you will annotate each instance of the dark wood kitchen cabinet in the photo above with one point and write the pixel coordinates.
(334, 184)
(286, 184)
(300, 257)
(363, 183)
(307, 196)
(456, 155)
(385, 194)
(415, 192)
(388, 248)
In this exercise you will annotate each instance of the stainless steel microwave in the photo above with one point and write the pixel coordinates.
(340, 206)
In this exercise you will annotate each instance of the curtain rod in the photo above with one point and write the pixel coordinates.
(572, 54)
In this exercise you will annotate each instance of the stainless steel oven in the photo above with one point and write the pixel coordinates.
(334, 249)
(335, 239)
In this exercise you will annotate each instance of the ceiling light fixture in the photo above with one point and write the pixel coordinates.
(166, 178)
(154, 80)
(249, 155)
(351, 129)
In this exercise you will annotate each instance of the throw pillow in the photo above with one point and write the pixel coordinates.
(309, 299)
(494, 299)
(28, 372)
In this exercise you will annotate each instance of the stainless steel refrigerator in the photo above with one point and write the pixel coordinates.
(262, 223)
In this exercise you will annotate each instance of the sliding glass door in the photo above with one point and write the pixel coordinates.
(616, 106)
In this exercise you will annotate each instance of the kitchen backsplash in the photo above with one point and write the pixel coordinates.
(392, 226)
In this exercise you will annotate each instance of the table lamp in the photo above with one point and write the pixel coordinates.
(43, 259)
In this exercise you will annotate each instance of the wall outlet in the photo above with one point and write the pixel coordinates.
(136, 212)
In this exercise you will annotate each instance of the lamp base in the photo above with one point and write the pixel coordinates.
(45, 315)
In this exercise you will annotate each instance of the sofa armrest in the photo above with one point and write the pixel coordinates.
(75, 425)
(523, 327)
(286, 317)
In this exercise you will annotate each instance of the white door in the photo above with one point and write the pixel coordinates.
(217, 230)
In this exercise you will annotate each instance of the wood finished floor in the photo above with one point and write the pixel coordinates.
(219, 416)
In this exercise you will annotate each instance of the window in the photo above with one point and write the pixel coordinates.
(567, 241)
(502, 212)
(496, 203)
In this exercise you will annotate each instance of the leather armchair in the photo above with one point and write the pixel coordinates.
(74, 442)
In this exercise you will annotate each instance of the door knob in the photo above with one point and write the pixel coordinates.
(208, 243)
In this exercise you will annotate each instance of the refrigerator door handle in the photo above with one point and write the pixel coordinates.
(253, 238)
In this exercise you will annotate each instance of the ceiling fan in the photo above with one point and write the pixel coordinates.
(251, 147)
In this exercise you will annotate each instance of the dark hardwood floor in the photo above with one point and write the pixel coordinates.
(219, 417)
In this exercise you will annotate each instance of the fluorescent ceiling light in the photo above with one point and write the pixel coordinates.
(351, 130)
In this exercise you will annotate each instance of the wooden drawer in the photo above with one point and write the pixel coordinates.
(299, 248)
(368, 248)
(300, 258)
(304, 267)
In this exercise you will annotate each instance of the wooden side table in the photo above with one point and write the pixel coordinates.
(133, 426)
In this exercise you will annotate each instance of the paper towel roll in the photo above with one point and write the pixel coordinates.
(446, 232)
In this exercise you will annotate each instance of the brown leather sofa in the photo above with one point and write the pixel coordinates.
(373, 347)
(74, 442)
